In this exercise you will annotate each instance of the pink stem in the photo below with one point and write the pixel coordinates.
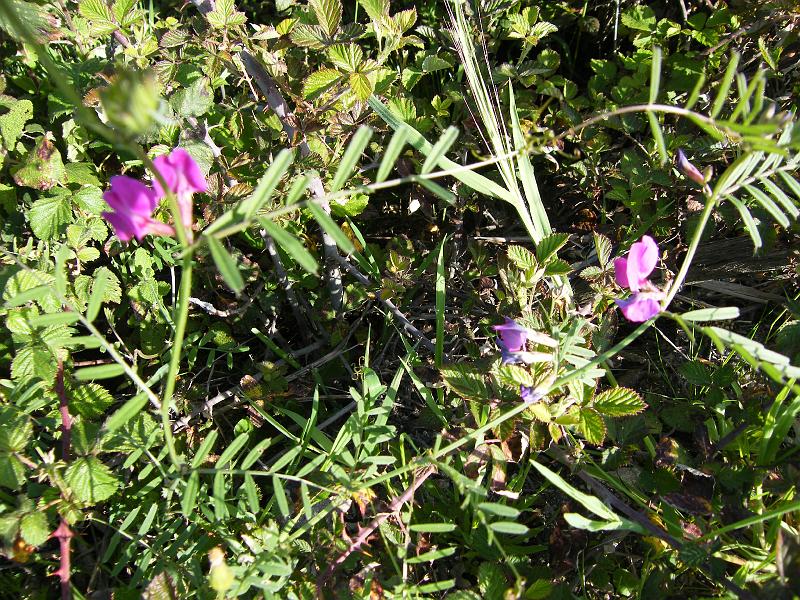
(63, 532)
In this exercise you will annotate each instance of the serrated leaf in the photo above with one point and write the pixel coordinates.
(90, 400)
(320, 81)
(12, 123)
(361, 84)
(328, 13)
(347, 57)
(34, 528)
(99, 14)
(308, 36)
(522, 257)
(42, 168)
(90, 481)
(592, 426)
(549, 245)
(466, 381)
(602, 246)
(619, 402)
(515, 376)
(225, 15)
(193, 101)
(696, 373)
(12, 471)
(50, 215)
(491, 581)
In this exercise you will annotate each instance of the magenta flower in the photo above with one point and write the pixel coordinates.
(183, 178)
(640, 307)
(133, 204)
(690, 170)
(633, 272)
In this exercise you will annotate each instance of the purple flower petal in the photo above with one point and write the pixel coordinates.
(639, 307)
(513, 336)
(529, 395)
(122, 225)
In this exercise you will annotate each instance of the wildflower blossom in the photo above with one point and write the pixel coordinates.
(512, 335)
(133, 204)
(632, 272)
(183, 178)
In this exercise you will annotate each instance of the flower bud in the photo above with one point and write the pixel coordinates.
(689, 169)
(130, 102)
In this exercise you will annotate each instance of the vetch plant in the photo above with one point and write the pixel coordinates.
(632, 273)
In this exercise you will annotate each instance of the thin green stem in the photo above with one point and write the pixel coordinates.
(181, 316)
(711, 203)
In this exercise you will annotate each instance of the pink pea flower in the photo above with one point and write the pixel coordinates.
(633, 272)
(640, 307)
(133, 204)
(183, 178)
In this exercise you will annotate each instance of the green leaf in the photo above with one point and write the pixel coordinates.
(491, 581)
(12, 123)
(696, 373)
(602, 246)
(125, 413)
(361, 84)
(433, 527)
(90, 481)
(439, 149)
(12, 471)
(711, 314)
(350, 158)
(331, 228)
(34, 528)
(42, 168)
(328, 13)
(499, 510)
(49, 216)
(189, 498)
(100, 372)
(291, 245)
(98, 294)
(592, 426)
(99, 14)
(346, 57)
(619, 402)
(193, 101)
(320, 81)
(225, 15)
(749, 222)
(641, 18)
(390, 155)
(508, 527)
(522, 257)
(16, 429)
(90, 400)
(280, 496)
(549, 245)
(226, 264)
(466, 381)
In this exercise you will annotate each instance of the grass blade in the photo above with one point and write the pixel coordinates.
(725, 85)
(439, 149)
(331, 228)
